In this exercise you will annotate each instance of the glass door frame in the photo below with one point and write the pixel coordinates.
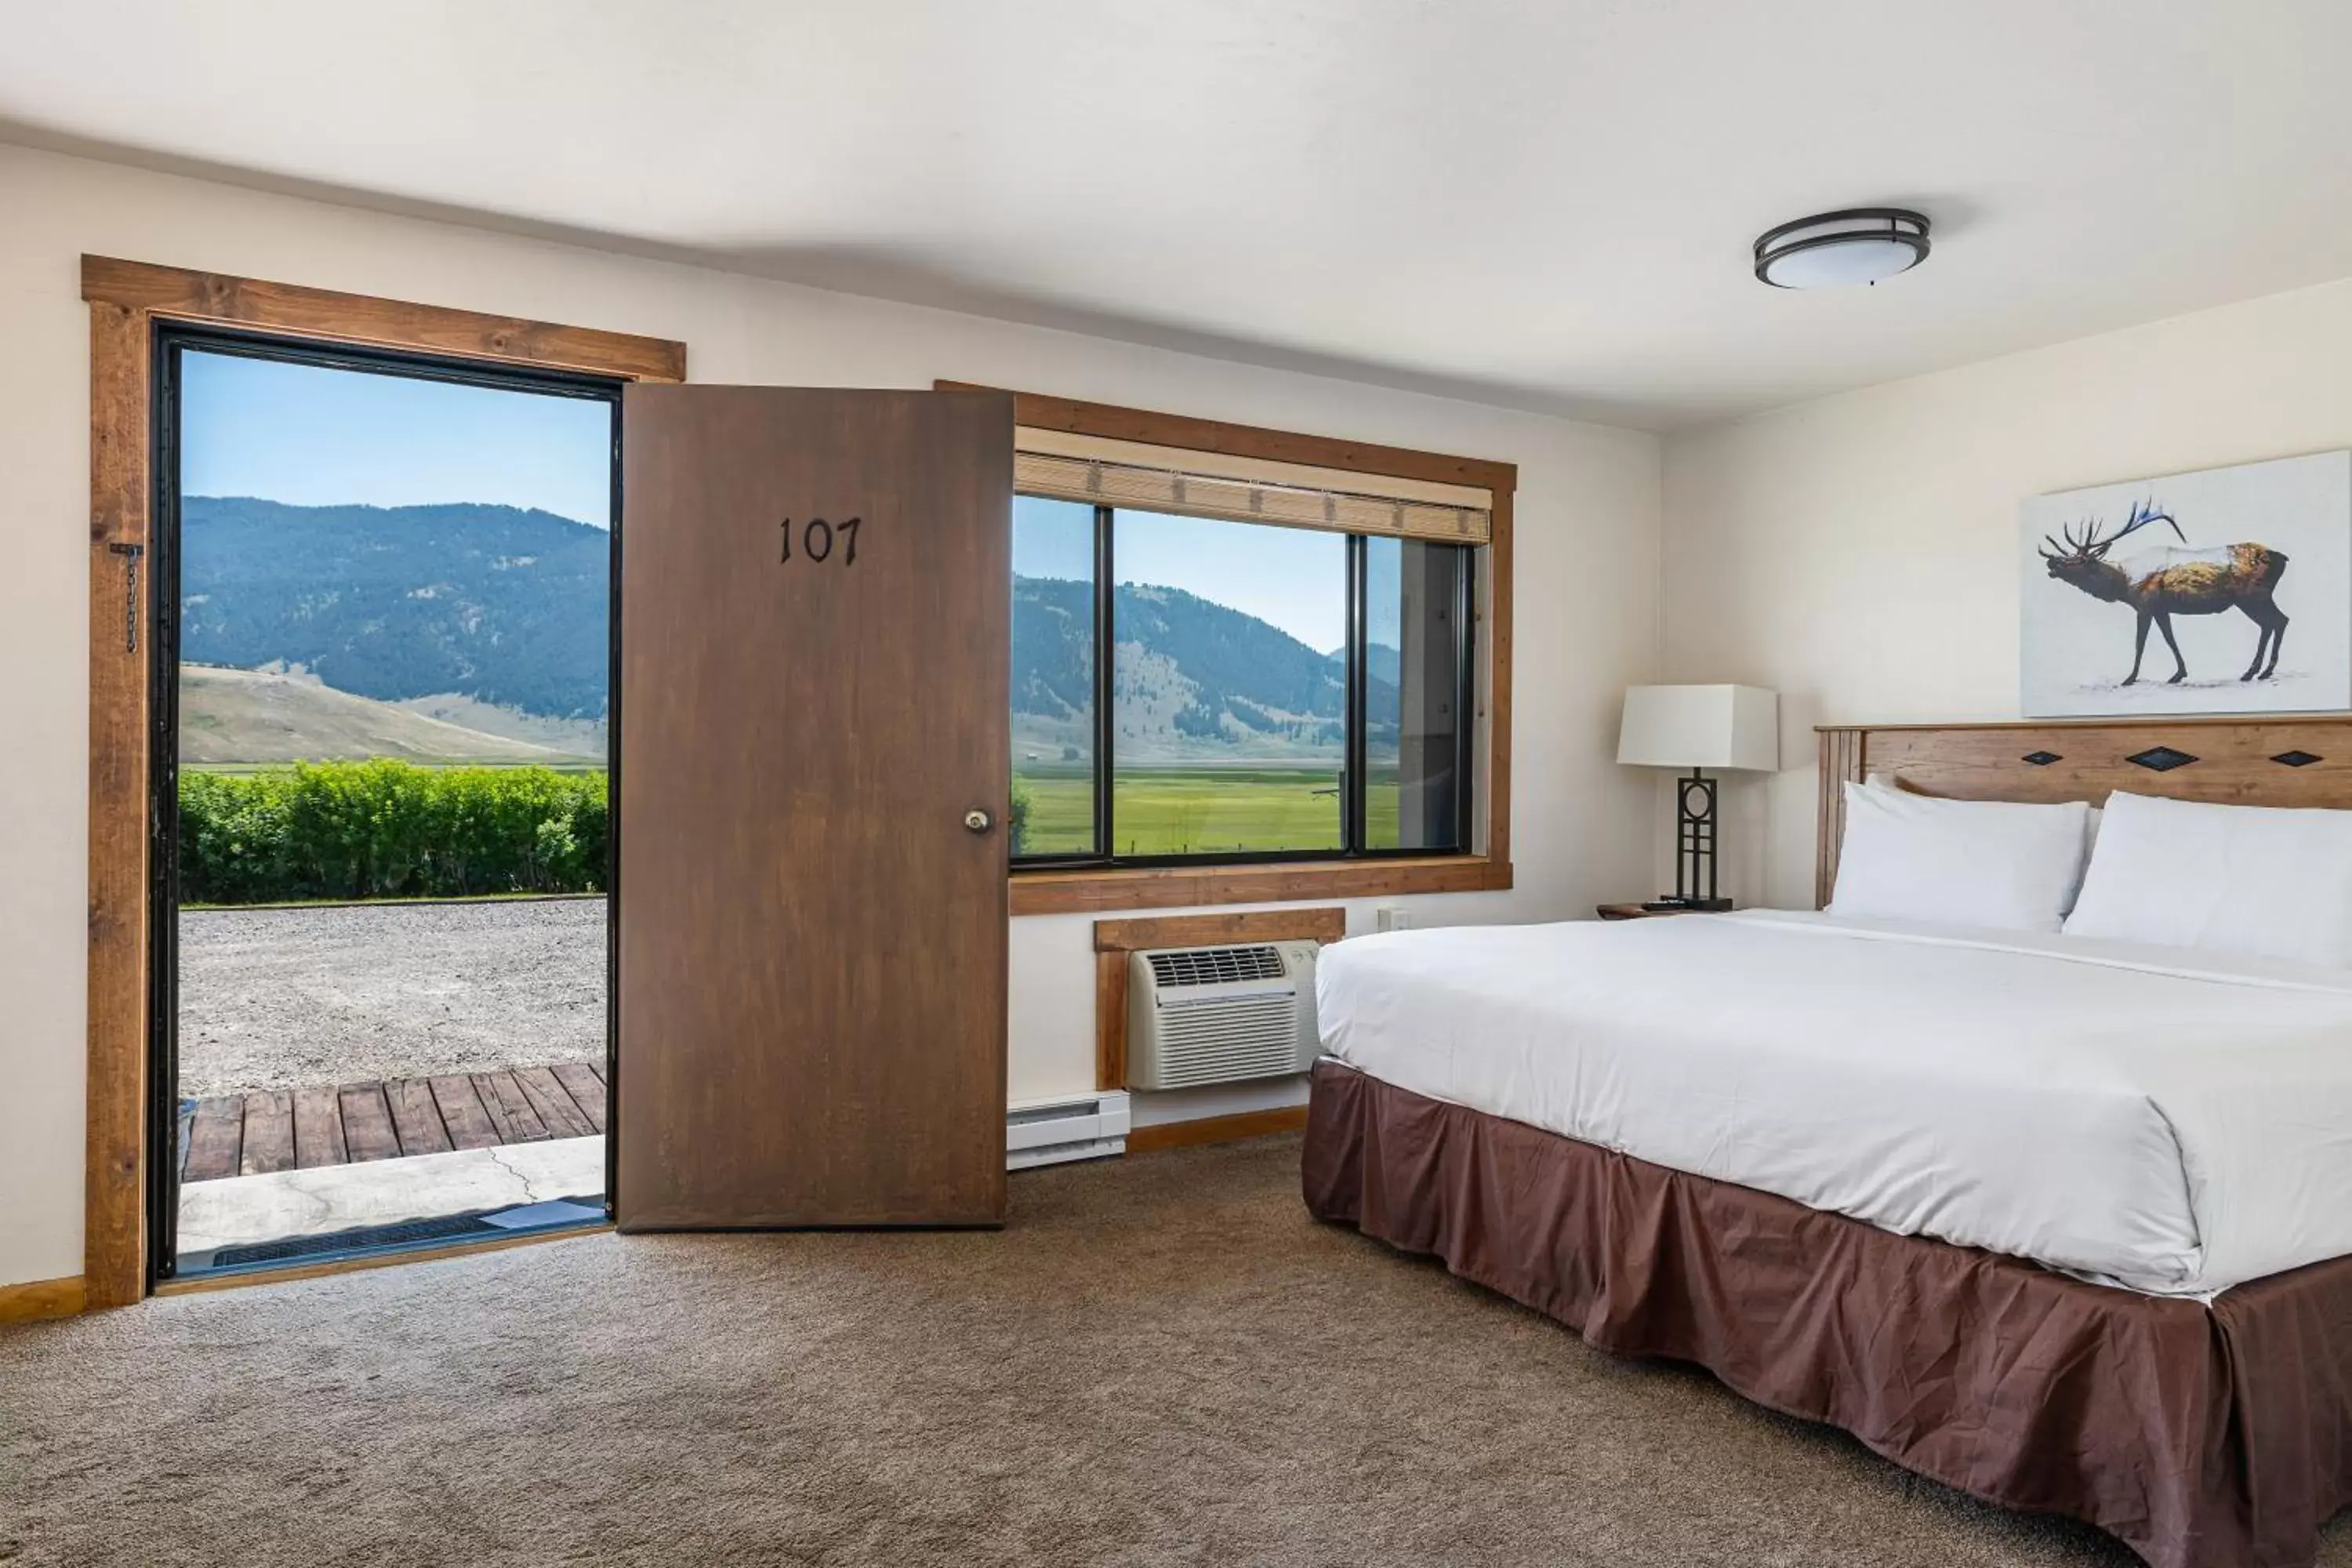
(172, 338)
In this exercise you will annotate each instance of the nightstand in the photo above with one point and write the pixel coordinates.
(1636, 912)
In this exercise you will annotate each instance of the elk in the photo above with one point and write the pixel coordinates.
(2170, 581)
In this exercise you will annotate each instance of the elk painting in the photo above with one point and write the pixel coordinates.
(2171, 581)
(2200, 560)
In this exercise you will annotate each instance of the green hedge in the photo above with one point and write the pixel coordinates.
(1016, 821)
(389, 829)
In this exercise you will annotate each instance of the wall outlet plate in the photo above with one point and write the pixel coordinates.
(1392, 917)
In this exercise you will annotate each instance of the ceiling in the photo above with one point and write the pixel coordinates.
(1546, 205)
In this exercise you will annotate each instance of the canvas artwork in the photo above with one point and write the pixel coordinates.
(2223, 591)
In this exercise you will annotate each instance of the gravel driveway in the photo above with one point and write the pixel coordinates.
(285, 998)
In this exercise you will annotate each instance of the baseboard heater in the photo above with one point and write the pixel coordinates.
(1080, 1127)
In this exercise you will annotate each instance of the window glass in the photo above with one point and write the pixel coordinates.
(1229, 687)
(1414, 598)
(1052, 677)
(1227, 733)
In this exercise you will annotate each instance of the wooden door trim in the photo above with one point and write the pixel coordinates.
(1092, 890)
(322, 314)
(126, 299)
(1114, 940)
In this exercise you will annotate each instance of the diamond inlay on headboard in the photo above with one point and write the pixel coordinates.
(2296, 759)
(2041, 759)
(2160, 759)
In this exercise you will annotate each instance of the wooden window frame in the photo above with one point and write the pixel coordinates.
(126, 299)
(1098, 890)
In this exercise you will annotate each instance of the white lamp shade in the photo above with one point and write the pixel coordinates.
(1701, 727)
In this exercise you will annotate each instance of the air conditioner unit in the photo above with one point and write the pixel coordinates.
(1217, 1015)
(1048, 1131)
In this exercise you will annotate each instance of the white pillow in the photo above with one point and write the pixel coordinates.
(1984, 863)
(2256, 880)
(2090, 818)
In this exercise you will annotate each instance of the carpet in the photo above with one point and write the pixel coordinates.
(1161, 1360)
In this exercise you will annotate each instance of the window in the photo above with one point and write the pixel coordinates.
(1416, 701)
(1195, 688)
(1054, 627)
(1230, 690)
(1348, 732)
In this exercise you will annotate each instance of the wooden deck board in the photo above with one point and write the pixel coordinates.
(556, 1108)
(470, 1125)
(485, 1090)
(416, 1118)
(587, 1088)
(215, 1139)
(518, 1121)
(304, 1129)
(319, 1129)
(268, 1134)
(368, 1131)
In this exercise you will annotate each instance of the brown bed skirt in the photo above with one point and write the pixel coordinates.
(2199, 1436)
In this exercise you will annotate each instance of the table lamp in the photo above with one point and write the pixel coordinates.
(1698, 727)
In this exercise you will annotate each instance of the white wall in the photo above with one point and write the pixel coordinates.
(1587, 494)
(1858, 553)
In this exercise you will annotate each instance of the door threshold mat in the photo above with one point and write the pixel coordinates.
(406, 1233)
(561, 1213)
(553, 1212)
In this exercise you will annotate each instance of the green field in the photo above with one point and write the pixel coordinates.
(1200, 810)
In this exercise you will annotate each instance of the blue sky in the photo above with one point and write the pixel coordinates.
(1296, 578)
(313, 437)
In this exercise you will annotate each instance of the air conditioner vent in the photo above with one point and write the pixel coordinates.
(1216, 965)
(1220, 1015)
(1245, 1036)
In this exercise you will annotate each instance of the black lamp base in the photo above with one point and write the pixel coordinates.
(1695, 886)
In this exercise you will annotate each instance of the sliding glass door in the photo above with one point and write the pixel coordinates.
(384, 701)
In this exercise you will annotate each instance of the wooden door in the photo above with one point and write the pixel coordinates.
(815, 591)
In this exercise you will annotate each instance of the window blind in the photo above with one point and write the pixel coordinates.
(1099, 472)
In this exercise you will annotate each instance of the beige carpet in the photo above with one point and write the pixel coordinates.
(1163, 1360)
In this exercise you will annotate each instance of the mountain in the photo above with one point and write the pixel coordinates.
(1380, 661)
(577, 737)
(492, 620)
(1192, 676)
(245, 716)
(506, 607)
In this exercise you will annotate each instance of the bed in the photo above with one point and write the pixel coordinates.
(2064, 1222)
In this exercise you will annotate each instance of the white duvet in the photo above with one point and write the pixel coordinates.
(2169, 1121)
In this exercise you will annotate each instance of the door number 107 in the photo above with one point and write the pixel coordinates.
(817, 537)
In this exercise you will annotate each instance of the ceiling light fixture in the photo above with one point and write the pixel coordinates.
(1828, 250)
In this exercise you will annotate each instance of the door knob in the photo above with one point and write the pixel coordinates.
(978, 821)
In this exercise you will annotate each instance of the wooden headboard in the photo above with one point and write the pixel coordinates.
(2255, 760)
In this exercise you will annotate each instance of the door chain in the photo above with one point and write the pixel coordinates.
(130, 594)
